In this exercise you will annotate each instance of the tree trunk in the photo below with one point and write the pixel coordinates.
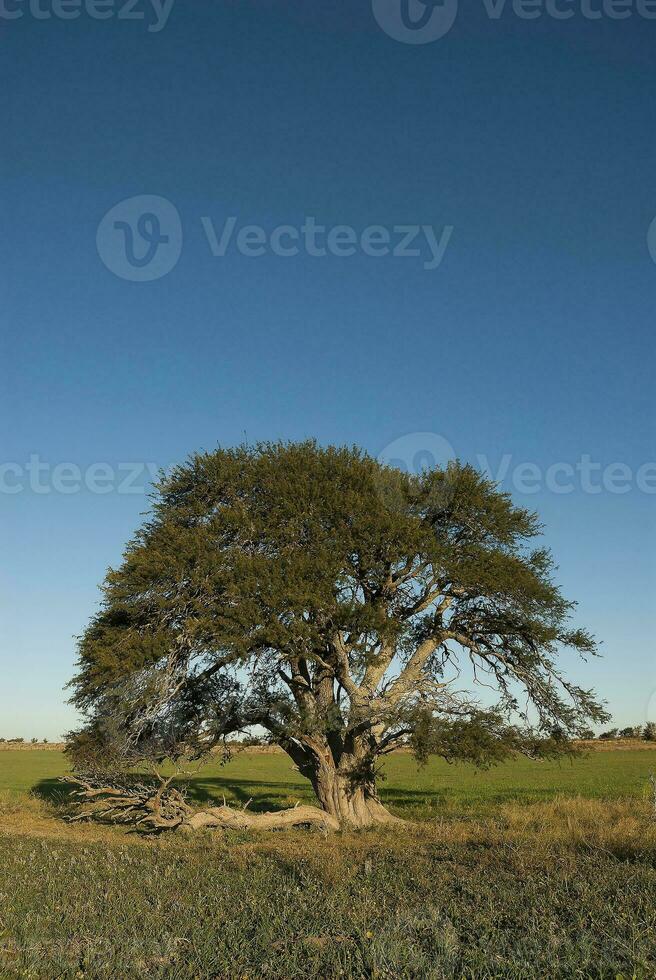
(352, 802)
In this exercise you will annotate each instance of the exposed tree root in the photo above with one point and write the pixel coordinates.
(229, 818)
(156, 809)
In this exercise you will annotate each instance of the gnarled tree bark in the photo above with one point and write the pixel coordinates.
(161, 808)
(229, 818)
(350, 804)
(342, 775)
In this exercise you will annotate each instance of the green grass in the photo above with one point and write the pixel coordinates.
(504, 877)
(271, 780)
(489, 901)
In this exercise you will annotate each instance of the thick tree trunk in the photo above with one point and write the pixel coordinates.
(352, 802)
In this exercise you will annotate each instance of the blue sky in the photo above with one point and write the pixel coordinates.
(532, 342)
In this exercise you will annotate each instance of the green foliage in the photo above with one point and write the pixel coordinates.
(483, 738)
(333, 601)
(649, 732)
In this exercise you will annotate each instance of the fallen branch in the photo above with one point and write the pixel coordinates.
(154, 809)
(151, 807)
(228, 818)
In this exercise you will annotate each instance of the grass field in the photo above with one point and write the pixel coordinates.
(411, 791)
(528, 870)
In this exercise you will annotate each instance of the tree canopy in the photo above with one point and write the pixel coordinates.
(337, 603)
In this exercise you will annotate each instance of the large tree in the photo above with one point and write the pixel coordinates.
(335, 602)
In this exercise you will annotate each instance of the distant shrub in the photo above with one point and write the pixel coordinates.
(251, 741)
(612, 733)
(649, 732)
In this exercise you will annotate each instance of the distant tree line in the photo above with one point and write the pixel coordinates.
(646, 732)
(20, 741)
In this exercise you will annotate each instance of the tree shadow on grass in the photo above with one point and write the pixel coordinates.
(52, 790)
(263, 794)
(274, 795)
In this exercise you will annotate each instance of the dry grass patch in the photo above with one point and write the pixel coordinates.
(549, 890)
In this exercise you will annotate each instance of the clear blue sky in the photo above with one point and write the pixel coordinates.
(534, 338)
